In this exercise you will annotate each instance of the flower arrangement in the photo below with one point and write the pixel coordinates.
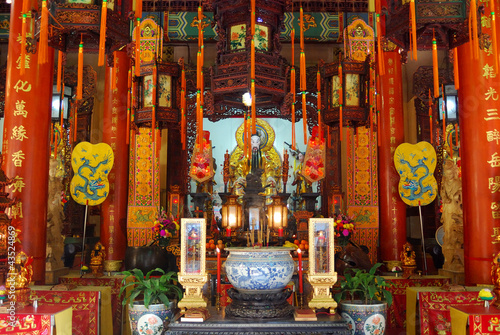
(165, 228)
(344, 229)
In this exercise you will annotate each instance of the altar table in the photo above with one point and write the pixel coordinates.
(396, 313)
(432, 304)
(478, 319)
(112, 281)
(218, 324)
(42, 320)
(91, 306)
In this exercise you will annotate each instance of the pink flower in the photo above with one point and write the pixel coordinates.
(345, 232)
(152, 320)
(376, 320)
(163, 233)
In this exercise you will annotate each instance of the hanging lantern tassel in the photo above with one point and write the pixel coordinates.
(138, 9)
(138, 47)
(435, 69)
(102, 36)
(318, 87)
(455, 68)
(430, 115)
(413, 29)
(79, 85)
(254, 109)
(245, 139)
(292, 89)
(443, 112)
(378, 101)
(494, 34)
(44, 34)
(304, 116)
(59, 70)
(75, 117)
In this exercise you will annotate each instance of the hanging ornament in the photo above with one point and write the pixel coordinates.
(102, 35)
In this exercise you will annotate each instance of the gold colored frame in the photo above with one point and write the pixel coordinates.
(193, 281)
(322, 281)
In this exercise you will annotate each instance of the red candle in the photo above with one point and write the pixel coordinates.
(301, 288)
(228, 232)
(219, 286)
(280, 232)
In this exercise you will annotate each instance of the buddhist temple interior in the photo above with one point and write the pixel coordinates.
(122, 118)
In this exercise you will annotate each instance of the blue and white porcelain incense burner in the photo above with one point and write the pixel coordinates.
(259, 270)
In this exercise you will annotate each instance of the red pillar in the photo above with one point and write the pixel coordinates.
(479, 118)
(391, 128)
(26, 148)
(114, 208)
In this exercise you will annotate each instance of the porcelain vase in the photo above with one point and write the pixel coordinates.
(364, 319)
(150, 321)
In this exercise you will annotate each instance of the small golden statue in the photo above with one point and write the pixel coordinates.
(408, 259)
(495, 278)
(97, 259)
(22, 271)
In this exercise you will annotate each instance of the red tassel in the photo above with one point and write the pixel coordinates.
(138, 9)
(59, 70)
(455, 68)
(44, 34)
(413, 29)
(79, 86)
(102, 36)
(138, 47)
(435, 69)
(381, 66)
(430, 114)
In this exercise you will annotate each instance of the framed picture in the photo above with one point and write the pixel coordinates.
(164, 90)
(321, 246)
(352, 89)
(237, 36)
(147, 95)
(193, 246)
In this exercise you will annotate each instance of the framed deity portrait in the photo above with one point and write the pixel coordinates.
(193, 246)
(321, 246)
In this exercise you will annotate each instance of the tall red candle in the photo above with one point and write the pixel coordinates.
(219, 286)
(301, 286)
(280, 231)
(228, 232)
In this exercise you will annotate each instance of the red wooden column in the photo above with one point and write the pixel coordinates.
(26, 149)
(391, 128)
(479, 118)
(114, 208)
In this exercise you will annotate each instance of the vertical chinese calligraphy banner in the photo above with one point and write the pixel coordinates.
(392, 208)
(479, 117)
(114, 208)
(26, 149)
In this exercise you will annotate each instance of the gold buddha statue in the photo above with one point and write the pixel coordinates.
(22, 270)
(408, 255)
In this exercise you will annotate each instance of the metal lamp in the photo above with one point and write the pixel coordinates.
(231, 213)
(277, 214)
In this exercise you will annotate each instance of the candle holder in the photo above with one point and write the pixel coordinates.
(300, 300)
(217, 301)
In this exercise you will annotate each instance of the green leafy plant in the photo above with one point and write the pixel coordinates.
(365, 286)
(152, 289)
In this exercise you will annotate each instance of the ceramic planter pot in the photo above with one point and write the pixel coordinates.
(152, 320)
(364, 319)
(259, 270)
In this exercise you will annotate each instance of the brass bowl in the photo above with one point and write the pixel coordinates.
(112, 265)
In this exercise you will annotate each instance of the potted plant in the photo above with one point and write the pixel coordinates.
(151, 299)
(364, 297)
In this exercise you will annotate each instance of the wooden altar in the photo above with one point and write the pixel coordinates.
(219, 324)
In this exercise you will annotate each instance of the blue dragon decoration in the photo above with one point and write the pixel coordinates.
(415, 164)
